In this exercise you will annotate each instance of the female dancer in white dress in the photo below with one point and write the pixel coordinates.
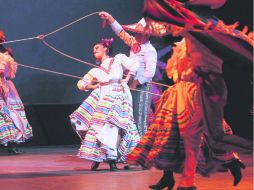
(107, 113)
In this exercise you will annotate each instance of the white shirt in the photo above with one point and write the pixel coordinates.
(147, 57)
(111, 69)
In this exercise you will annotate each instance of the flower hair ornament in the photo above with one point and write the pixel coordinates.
(107, 42)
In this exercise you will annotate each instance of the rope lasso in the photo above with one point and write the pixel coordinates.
(49, 71)
(40, 37)
(66, 55)
(81, 61)
(67, 25)
(78, 77)
(43, 36)
(20, 40)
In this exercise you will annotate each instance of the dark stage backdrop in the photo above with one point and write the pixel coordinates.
(29, 18)
(239, 108)
(50, 98)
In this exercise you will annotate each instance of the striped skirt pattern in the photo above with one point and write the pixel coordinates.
(14, 126)
(94, 114)
(80, 119)
(162, 145)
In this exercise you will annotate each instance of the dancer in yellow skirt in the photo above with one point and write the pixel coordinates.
(191, 111)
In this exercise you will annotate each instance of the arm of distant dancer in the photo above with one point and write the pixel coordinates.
(164, 51)
(118, 29)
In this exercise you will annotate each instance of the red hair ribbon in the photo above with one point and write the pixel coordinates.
(107, 42)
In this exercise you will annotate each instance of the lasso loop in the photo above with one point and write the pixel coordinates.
(74, 76)
(42, 38)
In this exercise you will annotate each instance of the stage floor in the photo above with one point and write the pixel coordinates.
(57, 168)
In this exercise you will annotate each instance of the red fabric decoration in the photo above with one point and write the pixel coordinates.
(104, 23)
(136, 48)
